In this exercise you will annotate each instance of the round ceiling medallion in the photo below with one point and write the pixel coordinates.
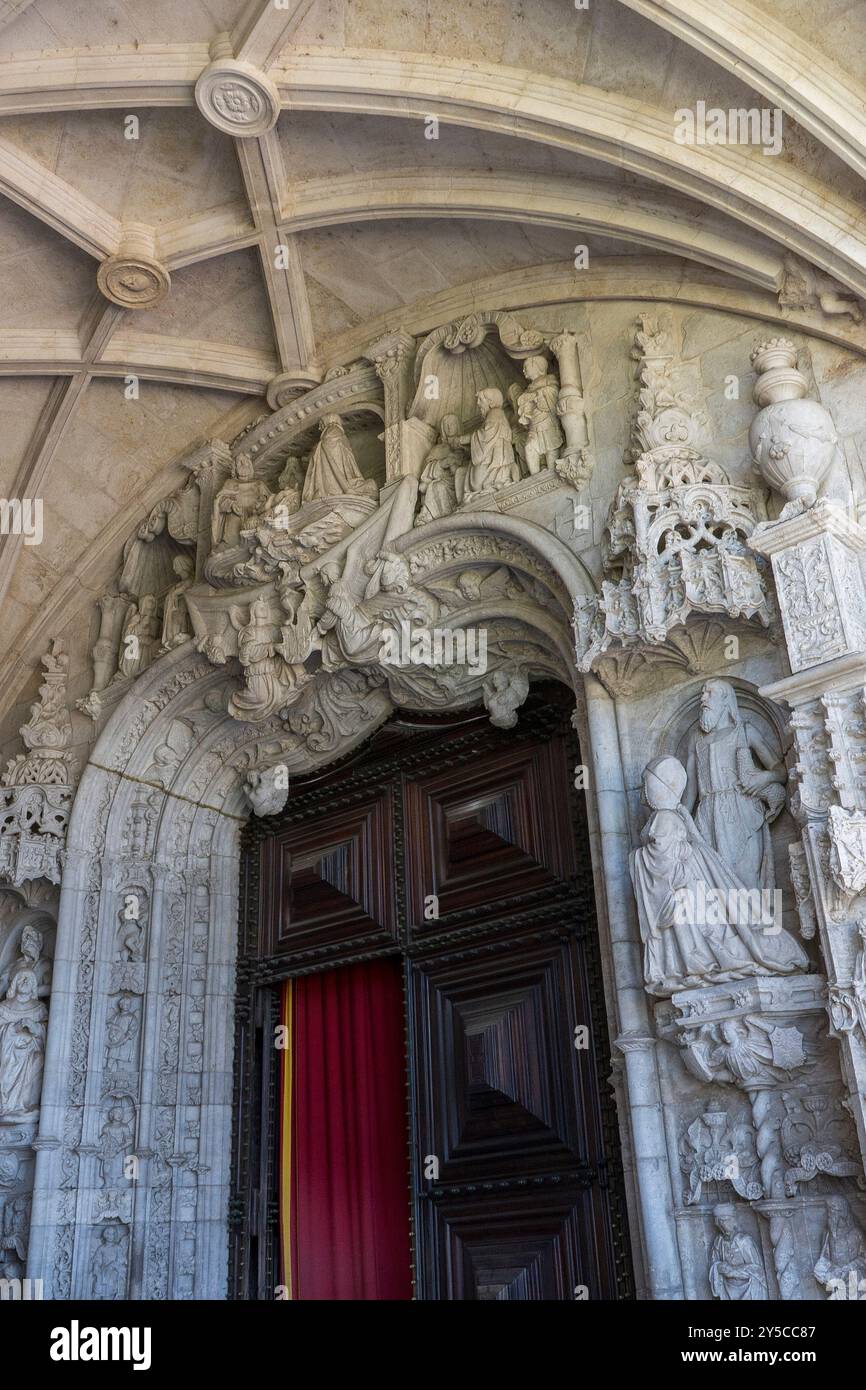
(133, 282)
(237, 98)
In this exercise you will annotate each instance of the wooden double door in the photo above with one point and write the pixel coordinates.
(460, 853)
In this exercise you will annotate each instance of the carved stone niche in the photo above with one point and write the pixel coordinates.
(26, 950)
(498, 416)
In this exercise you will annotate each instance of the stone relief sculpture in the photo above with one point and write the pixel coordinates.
(115, 1146)
(536, 411)
(36, 793)
(175, 618)
(718, 1148)
(294, 601)
(493, 464)
(241, 497)
(14, 1229)
(443, 480)
(108, 1264)
(504, 693)
(733, 798)
(841, 1265)
(23, 1030)
(678, 529)
(685, 895)
(736, 1265)
(140, 638)
(333, 471)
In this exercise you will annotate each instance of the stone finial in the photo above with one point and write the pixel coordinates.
(793, 439)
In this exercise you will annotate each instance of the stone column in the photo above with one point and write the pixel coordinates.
(407, 442)
(635, 1040)
(815, 552)
(209, 465)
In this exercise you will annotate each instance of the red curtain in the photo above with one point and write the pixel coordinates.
(345, 1191)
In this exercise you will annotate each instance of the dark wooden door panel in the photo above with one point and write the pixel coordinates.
(331, 880)
(487, 831)
(516, 1173)
(498, 1095)
(518, 1247)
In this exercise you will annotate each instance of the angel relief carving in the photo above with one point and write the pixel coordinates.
(241, 496)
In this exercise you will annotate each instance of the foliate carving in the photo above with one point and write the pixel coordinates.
(237, 98)
(667, 414)
(848, 850)
(37, 794)
(801, 883)
(677, 531)
(48, 731)
(817, 1138)
(816, 567)
(719, 1148)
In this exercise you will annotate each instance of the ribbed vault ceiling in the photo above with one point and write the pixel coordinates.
(555, 129)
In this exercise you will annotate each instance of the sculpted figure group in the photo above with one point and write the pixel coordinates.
(703, 874)
(501, 450)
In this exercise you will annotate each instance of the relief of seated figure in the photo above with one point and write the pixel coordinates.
(241, 496)
(333, 470)
(444, 475)
(493, 464)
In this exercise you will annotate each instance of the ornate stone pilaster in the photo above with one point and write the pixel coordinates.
(814, 555)
(829, 721)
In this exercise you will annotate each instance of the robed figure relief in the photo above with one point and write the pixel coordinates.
(241, 497)
(493, 464)
(23, 1029)
(736, 786)
(736, 1268)
(694, 928)
(333, 471)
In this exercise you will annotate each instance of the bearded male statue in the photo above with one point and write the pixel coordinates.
(735, 788)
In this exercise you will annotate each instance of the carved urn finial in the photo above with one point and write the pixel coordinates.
(793, 439)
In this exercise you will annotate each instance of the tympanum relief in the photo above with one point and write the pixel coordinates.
(344, 556)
